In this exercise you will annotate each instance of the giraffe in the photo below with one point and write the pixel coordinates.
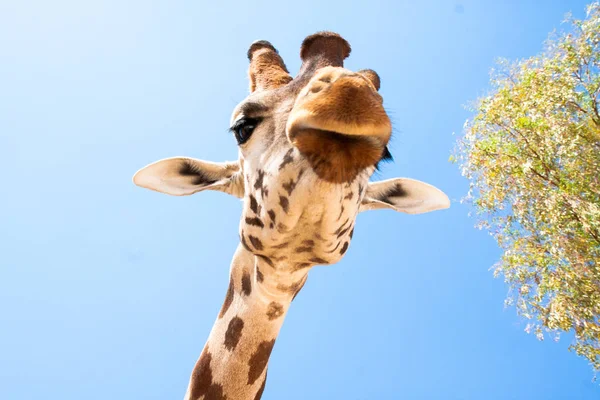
(308, 146)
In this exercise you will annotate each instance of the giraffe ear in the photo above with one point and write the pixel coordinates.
(182, 176)
(405, 195)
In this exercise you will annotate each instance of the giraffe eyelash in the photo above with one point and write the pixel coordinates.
(244, 121)
(243, 128)
(385, 157)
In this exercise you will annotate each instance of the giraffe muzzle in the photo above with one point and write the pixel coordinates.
(341, 101)
(339, 124)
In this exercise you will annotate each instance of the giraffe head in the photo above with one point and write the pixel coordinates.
(307, 148)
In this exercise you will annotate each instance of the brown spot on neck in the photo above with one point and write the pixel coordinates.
(259, 275)
(261, 389)
(294, 288)
(243, 242)
(300, 266)
(255, 222)
(259, 360)
(335, 248)
(275, 310)
(289, 186)
(281, 245)
(246, 283)
(288, 158)
(342, 232)
(272, 215)
(202, 374)
(233, 333)
(255, 242)
(258, 184)
(344, 248)
(253, 204)
(342, 227)
(215, 392)
(303, 249)
(201, 383)
(284, 203)
(267, 260)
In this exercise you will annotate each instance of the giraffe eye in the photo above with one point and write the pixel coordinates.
(243, 129)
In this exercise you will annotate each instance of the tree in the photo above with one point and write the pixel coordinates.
(532, 155)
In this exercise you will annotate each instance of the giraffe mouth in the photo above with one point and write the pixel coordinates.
(305, 120)
(337, 157)
(300, 134)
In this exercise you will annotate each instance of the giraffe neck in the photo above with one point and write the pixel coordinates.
(233, 363)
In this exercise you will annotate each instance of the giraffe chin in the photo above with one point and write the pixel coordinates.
(337, 157)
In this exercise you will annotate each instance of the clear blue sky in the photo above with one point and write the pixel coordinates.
(108, 291)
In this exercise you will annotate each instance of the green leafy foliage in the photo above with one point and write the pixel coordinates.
(532, 156)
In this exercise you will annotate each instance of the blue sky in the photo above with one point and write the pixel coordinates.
(108, 291)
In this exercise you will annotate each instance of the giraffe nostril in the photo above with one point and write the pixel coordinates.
(316, 87)
(325, 79)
